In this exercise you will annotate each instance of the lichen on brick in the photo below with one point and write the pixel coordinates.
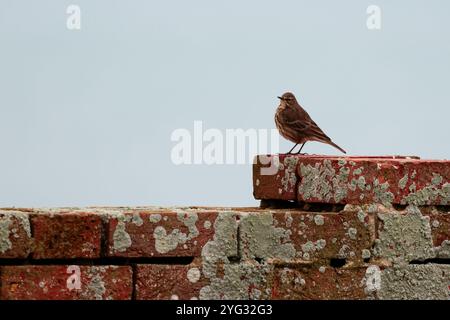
(429, 281)
(318, 220)
(289, 181)
(263, 240)
(5, 224)
(351, 232)
(381, 193)
(404, 237)
(96, 286)
(403, 181)
(443, 250)
(121, 238)
(236, 279)
(322, 182)
(7, 219)
(430, 193)
(165, 242)
(155, 218)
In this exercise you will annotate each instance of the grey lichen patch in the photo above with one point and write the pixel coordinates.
(381, 193)
(7, 219)
(424, 282)
(403, 181)
(207, 224)
(289, 180)
(342, 162)
(361, 183)
(430, 193)
(137, 220)
(310, 246)
(96, 287)
(344, 251)
(263, 239)
(289, 219)
(167, 242)
(351, 232)
(121, 238)
(236, 279)
(23, 219)
(318, 220)
(365, 254)
(435, 224)
(320, 244)
(322, 182)
(193, 275)
(436, 180)
(362, 216)
(358, 171)
(155, 218)
(404, 237)
(443, 251)
(5, 224)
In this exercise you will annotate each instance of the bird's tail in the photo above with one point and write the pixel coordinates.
(331, 143)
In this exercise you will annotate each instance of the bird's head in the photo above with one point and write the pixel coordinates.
(288, 98)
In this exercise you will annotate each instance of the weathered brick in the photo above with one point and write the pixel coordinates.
(353, 180)
(53, 282)
(415, 282)
(164, 282)
(314, 283)
(386, 181)
(160, 233)
(15, 234)
(289, 236)
(275, 177)
(440, 230)
(412, 234)
(64, 235)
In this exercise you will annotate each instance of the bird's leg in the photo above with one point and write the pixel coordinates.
(301, 148)
(290, 151)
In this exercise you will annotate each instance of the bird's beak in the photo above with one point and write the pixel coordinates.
(280, 98)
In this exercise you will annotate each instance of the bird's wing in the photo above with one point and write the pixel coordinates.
(308, 128)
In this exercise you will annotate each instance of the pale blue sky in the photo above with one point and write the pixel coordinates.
(86, 116)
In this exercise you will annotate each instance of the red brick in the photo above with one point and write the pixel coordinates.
(66, 235)
(160, 233)
(440, 225)
(33, 282)
(364, 181)
(15, 234)
(164, 282)
(355, 180)
(315, 237)
(280, 182)
(318, 283)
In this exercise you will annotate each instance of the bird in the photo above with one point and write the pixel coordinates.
(295, 124)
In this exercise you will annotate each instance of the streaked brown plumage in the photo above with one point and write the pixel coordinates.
(295, 124)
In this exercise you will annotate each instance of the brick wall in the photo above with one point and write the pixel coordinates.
(328, 228)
